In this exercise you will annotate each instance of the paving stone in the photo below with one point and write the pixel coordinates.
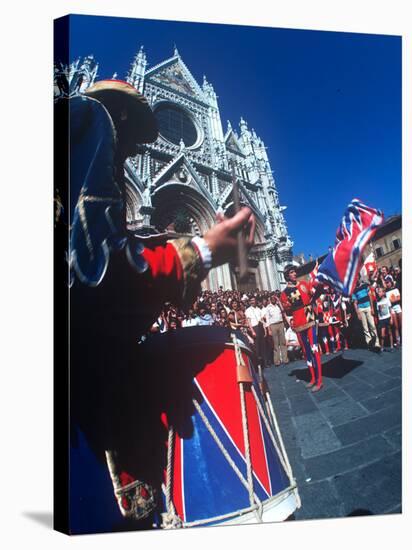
(281, 408)
(369, 425)
(358, 456)
(288, 432)
(341, 411)
(303, 405)
(292, 447)
(371, 377)
(383, 400)
(330, 391)
(278, 397)
(315, 436)
(394, 437)
(347, 458)
(318, 501)
(345, 381)
(388, 385)
(298, 468)
(295, 388)
(392, 360)
(396, 372)
(290, 436)
(376, 487)
(359, 390)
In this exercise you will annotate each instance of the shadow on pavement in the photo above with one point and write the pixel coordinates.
(337, 367)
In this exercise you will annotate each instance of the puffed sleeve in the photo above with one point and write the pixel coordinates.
(175, 271)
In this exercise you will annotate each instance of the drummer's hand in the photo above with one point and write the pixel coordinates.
(222, 237)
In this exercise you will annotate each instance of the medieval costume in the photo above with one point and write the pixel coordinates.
(297, 299)
(322, 311)
(336, 320)
(118, 283)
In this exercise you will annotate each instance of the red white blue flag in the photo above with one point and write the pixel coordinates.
(341, 266)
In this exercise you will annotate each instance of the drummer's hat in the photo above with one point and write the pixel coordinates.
(117, 92)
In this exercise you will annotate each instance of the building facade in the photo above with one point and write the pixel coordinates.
(387, 242)
(184, 179)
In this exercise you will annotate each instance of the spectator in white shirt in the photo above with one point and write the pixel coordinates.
(204, 318)
(274, 316)
(254, 319)
(383, 307)
(263, 304)
(394, 297)
(191, 320)
(292, 343)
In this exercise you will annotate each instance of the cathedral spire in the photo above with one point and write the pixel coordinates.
(206, 87)
(82, 74)
(175, 51)
(137, 70)
(209, 92)
(243, 125)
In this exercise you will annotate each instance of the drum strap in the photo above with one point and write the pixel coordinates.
(170, 520)
(286, 465)
(243, 375)
(259, 512)
(283, 457)
(282, 451)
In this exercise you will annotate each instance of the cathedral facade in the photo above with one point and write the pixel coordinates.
(184, 179)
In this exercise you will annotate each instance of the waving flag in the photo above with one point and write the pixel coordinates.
(341, 266)
(369, 266)
(313, 273)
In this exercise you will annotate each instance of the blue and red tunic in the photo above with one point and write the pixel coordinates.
(297, 301)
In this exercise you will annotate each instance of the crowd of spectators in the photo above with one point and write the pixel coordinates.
(259, 315)
(378, 304)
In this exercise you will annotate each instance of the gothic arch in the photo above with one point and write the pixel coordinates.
(259, 232)
(173, 199)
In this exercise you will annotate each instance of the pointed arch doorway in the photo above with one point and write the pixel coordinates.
(183, 210)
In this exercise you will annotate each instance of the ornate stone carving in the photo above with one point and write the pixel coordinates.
(205, 180)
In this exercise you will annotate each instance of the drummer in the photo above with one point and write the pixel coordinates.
(118, 284)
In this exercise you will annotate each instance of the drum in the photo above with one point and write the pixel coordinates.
(226, 462)
(194, 441)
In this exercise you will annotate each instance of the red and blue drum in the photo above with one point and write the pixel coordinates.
(226, 462)
(194, 441)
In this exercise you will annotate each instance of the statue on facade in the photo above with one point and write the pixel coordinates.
(268, 225)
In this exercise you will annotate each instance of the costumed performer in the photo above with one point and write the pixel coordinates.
(118, 283)
(297, 299)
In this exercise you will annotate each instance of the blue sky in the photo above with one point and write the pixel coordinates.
(326, 104)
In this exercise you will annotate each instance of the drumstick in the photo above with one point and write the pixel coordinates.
(241, 246)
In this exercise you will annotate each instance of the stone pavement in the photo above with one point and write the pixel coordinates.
(344, 442)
